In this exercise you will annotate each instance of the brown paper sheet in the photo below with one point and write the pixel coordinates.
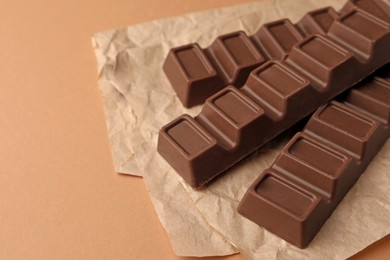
(138, 100)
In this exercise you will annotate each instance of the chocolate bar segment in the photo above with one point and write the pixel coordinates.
(325, 68)
(277, 38)
(195, 74)
(315, 170)
(231, 116)
(185, 138)
(280, 93)
(373, 98)
(275, 87)
(378, 8)
(192, 69)
(347, 129)
(234, 56)
(360, 32)
(317, 21)
(321, 172)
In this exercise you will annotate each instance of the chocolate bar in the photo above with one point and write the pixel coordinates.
(196, 74)
(235, 122)
(315, 170)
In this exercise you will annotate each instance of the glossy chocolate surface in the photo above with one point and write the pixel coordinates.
(315, 170)
(196, 74)
(235, 122)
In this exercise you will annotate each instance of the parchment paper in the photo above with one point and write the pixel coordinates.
(138, 100)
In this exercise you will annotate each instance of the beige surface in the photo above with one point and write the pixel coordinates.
(60, 196)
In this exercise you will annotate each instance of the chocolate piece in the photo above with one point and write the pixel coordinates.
(196, 74)
(317, 21)
(190, 67)
(314, 171)
(277, 38)
(378, 8)
(235, 122)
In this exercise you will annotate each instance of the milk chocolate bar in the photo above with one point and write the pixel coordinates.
(196, 74)
(235, 122)
(315, 170)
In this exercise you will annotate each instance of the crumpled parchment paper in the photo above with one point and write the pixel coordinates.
(138, 100)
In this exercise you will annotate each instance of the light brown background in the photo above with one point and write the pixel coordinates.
(59, 195)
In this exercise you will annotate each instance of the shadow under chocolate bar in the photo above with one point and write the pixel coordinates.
(195, 73)
(315, 170)
(235, 122)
